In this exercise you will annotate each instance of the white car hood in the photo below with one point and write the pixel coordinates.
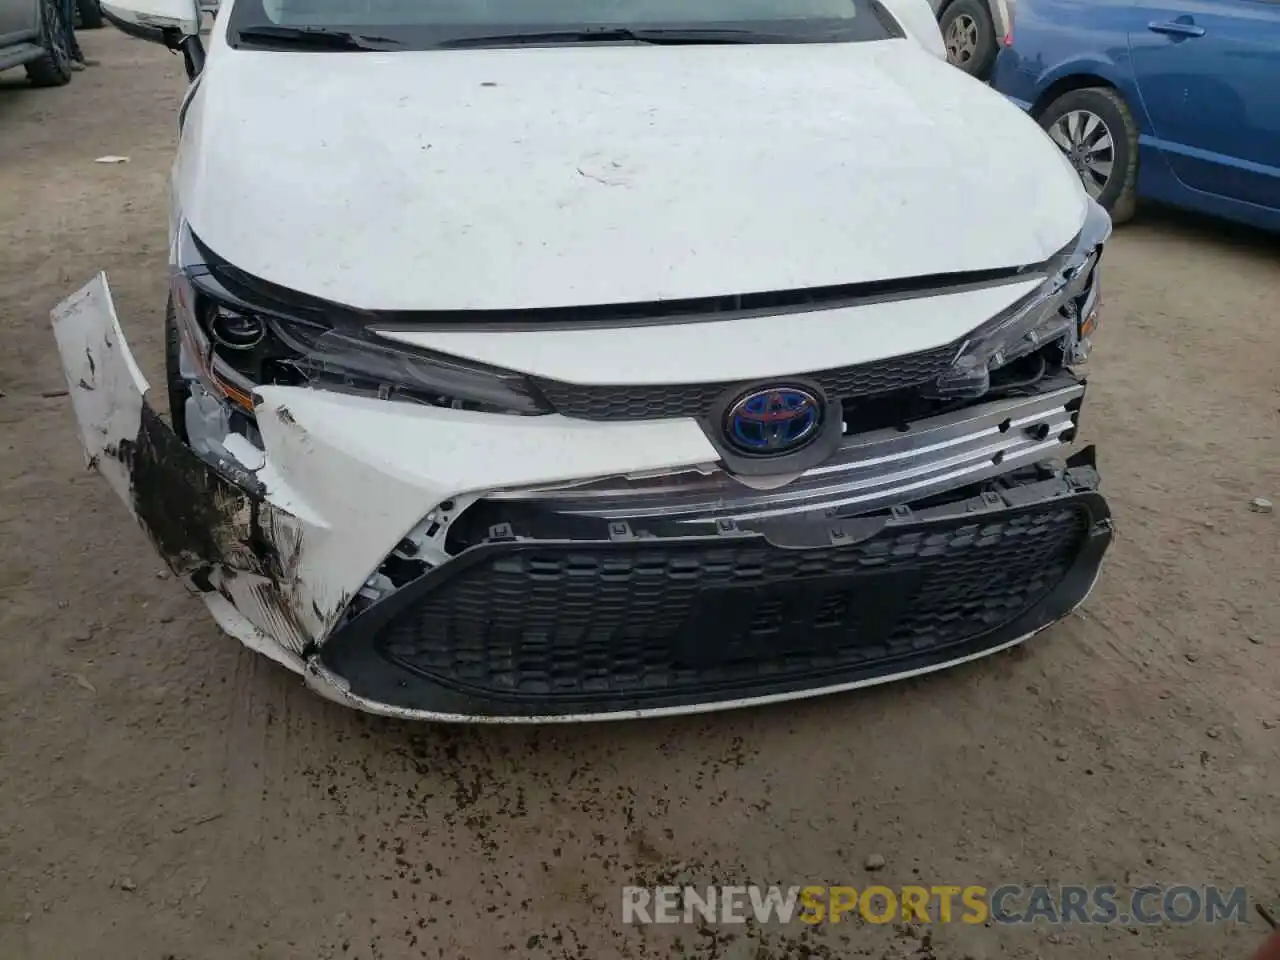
(519, 178)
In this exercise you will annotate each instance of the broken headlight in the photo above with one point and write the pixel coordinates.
(240, 340)
(1063, 308)
(361, 361)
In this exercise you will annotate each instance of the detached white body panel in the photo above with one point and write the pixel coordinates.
(180, 15)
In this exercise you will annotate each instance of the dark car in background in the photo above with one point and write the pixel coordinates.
(1176, 101)
(88, 14)
(32, 36)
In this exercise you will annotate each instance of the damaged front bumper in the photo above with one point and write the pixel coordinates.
(441, 564)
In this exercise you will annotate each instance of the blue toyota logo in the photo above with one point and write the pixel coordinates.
(775, 420)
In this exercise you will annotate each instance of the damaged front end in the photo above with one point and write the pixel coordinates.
(424, 537)
(286, 522)
(210, 519)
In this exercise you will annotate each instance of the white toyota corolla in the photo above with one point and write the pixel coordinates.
(581, 359)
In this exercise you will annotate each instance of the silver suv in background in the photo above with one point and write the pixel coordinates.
(32, 35)
(973, 31)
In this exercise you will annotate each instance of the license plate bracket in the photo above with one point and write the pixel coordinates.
(811, 615)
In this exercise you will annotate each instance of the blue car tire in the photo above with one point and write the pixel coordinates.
(1095, 130)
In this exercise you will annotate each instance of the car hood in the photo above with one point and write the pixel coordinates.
(519, 178)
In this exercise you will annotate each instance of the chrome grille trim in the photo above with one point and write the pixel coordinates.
(870, 471)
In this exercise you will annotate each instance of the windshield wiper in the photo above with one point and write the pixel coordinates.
(655, 35)
(281, 37)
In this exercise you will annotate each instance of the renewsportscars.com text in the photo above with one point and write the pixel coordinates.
(972, 904)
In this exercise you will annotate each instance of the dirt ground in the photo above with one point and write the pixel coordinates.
(166, 794)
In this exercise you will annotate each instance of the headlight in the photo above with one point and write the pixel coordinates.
(237, 346)
(357, 360)
(1064, 308)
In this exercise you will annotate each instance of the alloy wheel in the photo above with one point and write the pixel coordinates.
(962, 39)
(1086, 140)
(55, 34)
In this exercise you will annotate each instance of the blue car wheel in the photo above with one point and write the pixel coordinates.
(1096, 133)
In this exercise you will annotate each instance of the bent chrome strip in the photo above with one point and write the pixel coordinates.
(870, 471)
(335, 688)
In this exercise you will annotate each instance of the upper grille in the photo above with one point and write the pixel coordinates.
(590, 620)
(657, 402)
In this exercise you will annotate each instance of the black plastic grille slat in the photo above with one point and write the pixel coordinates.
(695, 399)
(569, 621)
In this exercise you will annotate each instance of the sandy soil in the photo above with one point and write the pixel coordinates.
(166, 794)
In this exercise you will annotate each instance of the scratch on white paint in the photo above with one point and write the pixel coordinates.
(794, 192)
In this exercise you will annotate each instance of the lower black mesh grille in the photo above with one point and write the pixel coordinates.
(695, 399)
(600, 619)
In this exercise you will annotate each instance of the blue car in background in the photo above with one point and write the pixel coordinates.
(1170, 100)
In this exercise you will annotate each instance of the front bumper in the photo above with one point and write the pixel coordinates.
(602, 623)
(913, 549)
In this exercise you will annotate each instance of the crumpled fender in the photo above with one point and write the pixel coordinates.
(276, 548)
(210, 522)
(279, 540)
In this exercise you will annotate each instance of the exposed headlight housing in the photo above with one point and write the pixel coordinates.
(361, 361)
(1063, 308)
(238, 345)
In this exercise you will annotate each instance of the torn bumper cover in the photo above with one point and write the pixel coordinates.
(403, 567)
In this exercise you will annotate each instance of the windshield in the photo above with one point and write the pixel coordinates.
(422, 24)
